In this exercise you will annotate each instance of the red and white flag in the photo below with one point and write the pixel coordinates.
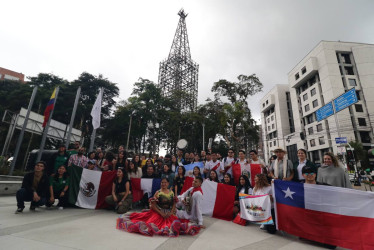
(218, 200)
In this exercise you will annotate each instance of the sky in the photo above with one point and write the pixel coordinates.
(125, 40)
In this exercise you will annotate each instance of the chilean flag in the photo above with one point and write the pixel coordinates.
(331, 215)
(140, 186)
(49, 108)
(218, 200)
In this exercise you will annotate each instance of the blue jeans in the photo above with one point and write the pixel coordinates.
(24, 195)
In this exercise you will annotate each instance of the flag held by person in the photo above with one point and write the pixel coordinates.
(331, 215)
(96, 110)
(49, 108)
(189, 168)
(218, 200)
(256, 208)
(140, 186)
(88, 188)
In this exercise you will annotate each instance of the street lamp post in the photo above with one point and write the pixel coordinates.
(203, 136)
(128, 134)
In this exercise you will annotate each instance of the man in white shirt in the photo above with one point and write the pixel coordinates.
(226, 163)
(243, 162)
(255, 160)
(214, 164)
(190, 202)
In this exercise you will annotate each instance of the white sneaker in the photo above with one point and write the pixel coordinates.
(60, 208)
(262, 227)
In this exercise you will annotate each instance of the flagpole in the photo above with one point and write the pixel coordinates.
(45, 131)
(92, 142)
(20, 137)
(73, 117)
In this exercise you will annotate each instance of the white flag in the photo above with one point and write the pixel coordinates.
(96, 111)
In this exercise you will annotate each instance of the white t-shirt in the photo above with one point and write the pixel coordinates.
(227, 162)
(300, 168)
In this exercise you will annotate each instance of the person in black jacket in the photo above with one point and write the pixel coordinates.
(35, 187)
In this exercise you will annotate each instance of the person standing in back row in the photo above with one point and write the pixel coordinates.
(281, 168)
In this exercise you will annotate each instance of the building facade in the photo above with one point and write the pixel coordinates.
(6, 74)
(325, 73)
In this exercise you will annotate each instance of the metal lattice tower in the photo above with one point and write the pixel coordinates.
(178, 75)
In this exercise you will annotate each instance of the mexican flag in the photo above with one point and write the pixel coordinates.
(88, 188)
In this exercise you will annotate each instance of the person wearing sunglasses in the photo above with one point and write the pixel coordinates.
(309, 175)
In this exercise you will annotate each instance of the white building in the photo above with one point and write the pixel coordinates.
(325, 73)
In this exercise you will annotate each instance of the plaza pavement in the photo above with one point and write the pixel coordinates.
(74, 228)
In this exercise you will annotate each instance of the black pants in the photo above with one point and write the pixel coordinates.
(24, 195)
(62, 201)
(272, 228)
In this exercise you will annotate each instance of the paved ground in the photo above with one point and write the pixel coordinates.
(95, 229)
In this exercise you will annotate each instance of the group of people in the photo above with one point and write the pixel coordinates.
(170, 209)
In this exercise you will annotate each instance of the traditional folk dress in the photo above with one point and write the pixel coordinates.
(150, 222)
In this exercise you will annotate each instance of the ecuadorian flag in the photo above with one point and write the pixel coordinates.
(49, 108)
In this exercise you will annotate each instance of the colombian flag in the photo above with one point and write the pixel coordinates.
(49, 108)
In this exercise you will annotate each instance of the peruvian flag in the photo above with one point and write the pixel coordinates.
(88, 188)
(255, 169)
(140, 186)
(236, 172)
(331, 215)
(218, 200)
(187, 184)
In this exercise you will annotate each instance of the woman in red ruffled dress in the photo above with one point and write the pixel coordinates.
(160, 219)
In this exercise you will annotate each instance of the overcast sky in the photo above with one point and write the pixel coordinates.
(125, 40)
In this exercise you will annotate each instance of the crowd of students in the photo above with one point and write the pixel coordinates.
(49, 182)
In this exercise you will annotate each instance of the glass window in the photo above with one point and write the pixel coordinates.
(358, 95)
(312, 143)
(271, 144)
(319, 127)
(310, 118)
(361, 121)
(267, 101)
(321, 140)
(313, 92)
(272, 118)
(306, 108)
(310, 130)
(305, 97)
(349, 70)
(275, 143)
(297, 76)
(365, 137)
(346, 58)
(272, 126)
(303, 70)
(315, 103)
(268, 127)
(352, 82)
(359, 108)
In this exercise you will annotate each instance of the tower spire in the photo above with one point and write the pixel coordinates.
(178, 74)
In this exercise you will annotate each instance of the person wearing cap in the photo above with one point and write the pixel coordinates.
(58, 159)
(91, 165)
(35, 188)
(281, 168)
(298, 165)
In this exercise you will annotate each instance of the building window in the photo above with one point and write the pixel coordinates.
(359, 108)
(352, 82)
(358, 95)
(319, 127)
(297, 76)
(361, 121)
(303, 71)
(310, 130)
(272, 126)
(268, 127)
(349, 70)
(263, 105)
(275, 143)
(271, 144)
(313, 92)
(306, 108)
(365, 137)
(312, 143)
(268, 120)
(346, 58)
(267, 102)
(315, 103)
(272, 118)
(321, 140)
(310, 119)
(305, 97)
